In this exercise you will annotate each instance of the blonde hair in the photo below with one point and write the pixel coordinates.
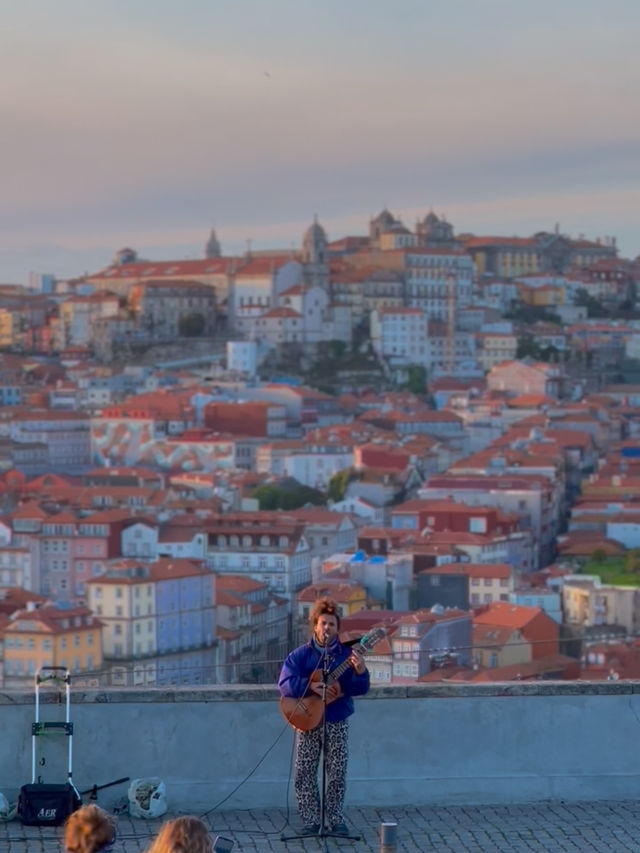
(88, 829)
(183, 835)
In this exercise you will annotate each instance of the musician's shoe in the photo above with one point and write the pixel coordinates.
(314, 829)
(340, 829)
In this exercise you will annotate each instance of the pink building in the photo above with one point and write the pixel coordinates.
(527, 377)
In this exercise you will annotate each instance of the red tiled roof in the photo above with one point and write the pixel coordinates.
(263, 265)
(496, 571)
(506, 615)
(148, 269)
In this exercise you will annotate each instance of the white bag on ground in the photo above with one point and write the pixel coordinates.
(7, 811)
(147, 797)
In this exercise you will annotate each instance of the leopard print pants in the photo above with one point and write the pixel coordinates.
(308, 749)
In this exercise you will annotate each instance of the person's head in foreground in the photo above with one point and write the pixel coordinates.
(90, 829)
(183, 835)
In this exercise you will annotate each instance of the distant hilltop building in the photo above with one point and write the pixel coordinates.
(320, 291)
(387, 232)
(544, 252)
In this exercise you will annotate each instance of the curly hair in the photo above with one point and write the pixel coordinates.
(183, 835)
(88, 830)
(323, 606)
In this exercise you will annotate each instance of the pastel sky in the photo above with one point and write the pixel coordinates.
(145, 122)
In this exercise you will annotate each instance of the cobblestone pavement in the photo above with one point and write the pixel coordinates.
(546, 827)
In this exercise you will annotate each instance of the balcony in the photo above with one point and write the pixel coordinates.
(495, 743)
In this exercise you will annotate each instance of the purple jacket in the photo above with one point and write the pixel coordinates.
(301, 663)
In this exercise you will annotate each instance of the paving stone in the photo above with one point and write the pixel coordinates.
(539, 827)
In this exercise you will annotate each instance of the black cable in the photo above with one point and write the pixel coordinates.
(253, 770)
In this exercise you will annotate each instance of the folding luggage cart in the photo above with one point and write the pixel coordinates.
(49, 804)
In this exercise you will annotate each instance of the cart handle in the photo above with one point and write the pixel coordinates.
(40, 677)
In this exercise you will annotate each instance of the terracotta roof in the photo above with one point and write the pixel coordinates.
(487, 634)
(285, 312)
(147, 269)
(527, 400)
(263, 265)
(473, 570)
(237, 583)
(506, 615)
(53, 620)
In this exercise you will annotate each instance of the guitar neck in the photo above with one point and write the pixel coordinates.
(335, 674)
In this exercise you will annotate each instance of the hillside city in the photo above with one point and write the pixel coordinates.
(439, 430)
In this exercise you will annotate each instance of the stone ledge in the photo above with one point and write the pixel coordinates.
(268, 692)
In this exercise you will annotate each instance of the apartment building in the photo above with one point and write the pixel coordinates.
(159, 621)
(51, 636)
(273, 551)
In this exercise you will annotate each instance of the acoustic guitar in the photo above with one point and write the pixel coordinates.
(305, 713)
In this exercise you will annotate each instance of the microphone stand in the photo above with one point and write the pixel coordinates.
(323, 773)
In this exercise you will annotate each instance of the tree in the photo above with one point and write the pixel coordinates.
(338, 484)
(191, 325)
(527, 346)
(337, 349)
(417, 379)
(632, 561)
(267, 496)
(271, 496)
(594, 308)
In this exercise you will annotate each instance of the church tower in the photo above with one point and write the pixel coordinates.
(315, 256)
(212, 249)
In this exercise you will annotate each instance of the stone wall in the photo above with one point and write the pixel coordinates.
(507, 743)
